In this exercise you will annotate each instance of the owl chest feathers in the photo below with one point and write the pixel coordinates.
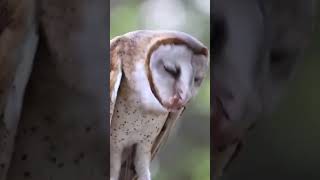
(138, 117)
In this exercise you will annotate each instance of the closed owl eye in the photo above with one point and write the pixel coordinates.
(174, 72)
(197, 80)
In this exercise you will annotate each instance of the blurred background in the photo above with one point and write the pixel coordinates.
(186, 156)
(287, 146)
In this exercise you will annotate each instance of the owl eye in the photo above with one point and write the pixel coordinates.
(174, 72)
(197, 80)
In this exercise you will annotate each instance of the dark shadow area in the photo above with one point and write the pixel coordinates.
(286, 145)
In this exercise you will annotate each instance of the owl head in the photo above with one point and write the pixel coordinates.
(177, 73)
(177, 64)
(164, 68)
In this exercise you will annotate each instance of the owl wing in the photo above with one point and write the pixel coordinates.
(165, 131)
(115, 70)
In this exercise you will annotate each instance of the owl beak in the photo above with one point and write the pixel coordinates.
(184, 96)
(175, 103)
(178, 101)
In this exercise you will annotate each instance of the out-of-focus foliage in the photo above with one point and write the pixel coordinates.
(287, 145)
(186, 156)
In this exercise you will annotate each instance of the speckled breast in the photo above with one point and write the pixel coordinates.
(131, 123)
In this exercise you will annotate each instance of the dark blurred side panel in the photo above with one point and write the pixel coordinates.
(267, 79)
(56, 53)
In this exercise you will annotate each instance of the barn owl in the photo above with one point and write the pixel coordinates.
(153, 76)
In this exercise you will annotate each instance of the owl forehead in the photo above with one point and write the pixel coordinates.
(172, 53)
(155, 38)
(156, 43)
